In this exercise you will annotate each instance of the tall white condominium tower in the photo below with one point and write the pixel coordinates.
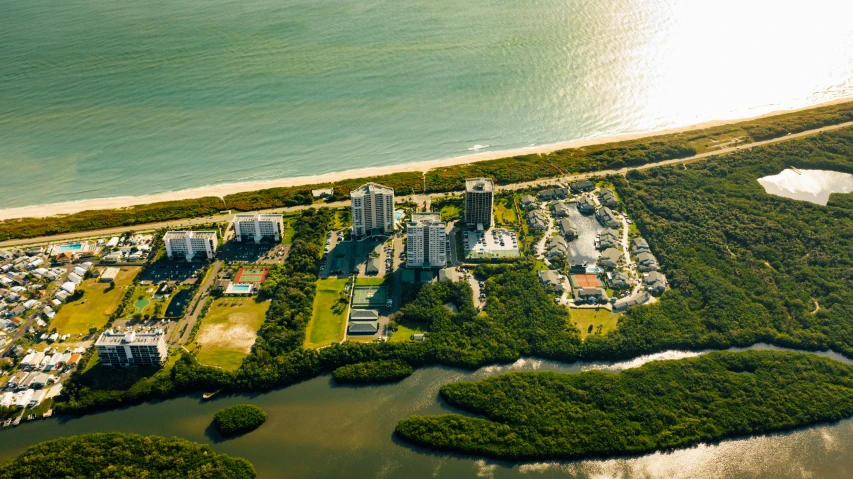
(479, 200)
(258, 227)
(189, 244)
(132, 348)
(372, 210)
(426, 246)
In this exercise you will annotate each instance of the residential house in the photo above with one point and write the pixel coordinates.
(590, 295)
(639, 245)
(586, 206)
(372, 266)
(537, 219)
(582, 186)
(569, 230)
(647, 262)
(363, 315)
(552, 194)
(607, 217)
(551, 280)
(556, 246)
(559, 209)
(607, 197)
(630, 301)
(527, 201)
(610, 258)
(608, 239)
(655, 282)
(620, 280)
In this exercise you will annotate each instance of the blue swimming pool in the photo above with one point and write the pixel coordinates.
(398, 215)
(239, 288)
(69, 248)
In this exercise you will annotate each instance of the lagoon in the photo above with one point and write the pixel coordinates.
(318, 429)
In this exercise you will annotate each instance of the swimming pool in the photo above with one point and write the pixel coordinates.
(239, 288)
(398, 215)
(68, 248)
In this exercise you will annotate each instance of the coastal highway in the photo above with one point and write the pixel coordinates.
(337, 204)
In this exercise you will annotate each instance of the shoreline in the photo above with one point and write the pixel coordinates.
(222, 190)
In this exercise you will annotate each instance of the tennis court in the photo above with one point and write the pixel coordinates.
(251, 275)
(584, 281)
(369, 296)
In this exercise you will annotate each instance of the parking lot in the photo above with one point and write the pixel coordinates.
(165, 270)
(251, 253)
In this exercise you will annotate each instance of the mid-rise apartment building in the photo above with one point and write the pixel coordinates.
(132, 348)
(189, 244)
(372, 210)
(426, 243)
(479, 202)
(258, 227)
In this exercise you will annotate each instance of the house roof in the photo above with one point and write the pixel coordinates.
(550, 277)
(640, 242)
(363, 315)
(528, 199)
(566, 225)
(611, 254)
(646, 257)
(369, 327)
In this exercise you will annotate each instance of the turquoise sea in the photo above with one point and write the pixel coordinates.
(109, 98)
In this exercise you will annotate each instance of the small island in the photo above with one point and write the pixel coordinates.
(126, 456)
(373, 372)
(240, 419)
(661, 405)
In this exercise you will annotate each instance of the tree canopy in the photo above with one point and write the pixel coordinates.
(124, 456)
(660, 405)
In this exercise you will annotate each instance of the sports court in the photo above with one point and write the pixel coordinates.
(251, 275)
(584, 281)
(370, 297)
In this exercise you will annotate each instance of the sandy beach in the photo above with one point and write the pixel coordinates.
(225, 189)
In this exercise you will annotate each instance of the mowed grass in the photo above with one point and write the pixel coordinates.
(584, 318)
(99, 301)
(329, 319)
(505, 213)
(404, 332)
(229, 330)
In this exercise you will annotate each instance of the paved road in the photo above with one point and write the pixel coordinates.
(515, 186)
(198, 304)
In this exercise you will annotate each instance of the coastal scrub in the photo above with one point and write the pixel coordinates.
(117, 455)
(373, 372)
(236, 420)
(661, 405)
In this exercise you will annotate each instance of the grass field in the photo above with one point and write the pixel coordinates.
(405, 331)
(505, 213)
(228, 331)
(93, 310)
(329, 320)
(287, 237)
(584, 318)
(370, 281)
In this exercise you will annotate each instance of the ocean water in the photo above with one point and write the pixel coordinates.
(102, 98)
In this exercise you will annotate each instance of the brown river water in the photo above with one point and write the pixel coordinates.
(317, 430)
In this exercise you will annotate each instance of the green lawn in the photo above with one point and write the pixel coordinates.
(93, 310)
(328, 321)
(584, 318)
(450, 209)
(405, 331)
(287, 237)
(370, 281)
(505, 213)
(229, 330)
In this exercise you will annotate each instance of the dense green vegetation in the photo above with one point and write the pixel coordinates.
(661, 405)
(504, 170)
(125, 456)
(744, 266)
(373, 372)
(240, 419)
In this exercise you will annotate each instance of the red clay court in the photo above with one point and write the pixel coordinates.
(585, 281)
(251, 275)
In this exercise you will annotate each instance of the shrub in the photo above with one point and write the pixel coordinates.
(236, 420)
(373, 372)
